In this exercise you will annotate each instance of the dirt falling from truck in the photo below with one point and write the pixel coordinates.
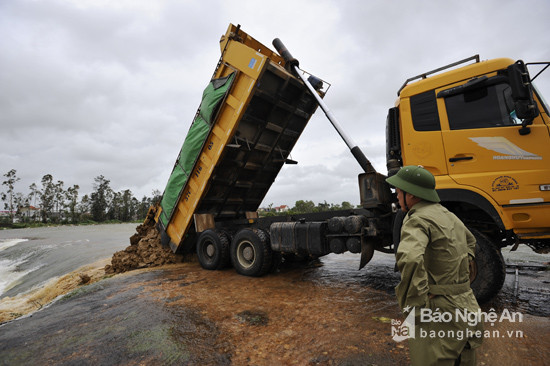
(145, 251)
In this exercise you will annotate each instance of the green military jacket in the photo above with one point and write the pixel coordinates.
(433, 258)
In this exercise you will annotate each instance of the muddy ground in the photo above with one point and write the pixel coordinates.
(325, 313)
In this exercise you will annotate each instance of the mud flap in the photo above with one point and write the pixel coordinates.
(367, 251)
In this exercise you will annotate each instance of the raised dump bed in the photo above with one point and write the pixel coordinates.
(251, 115)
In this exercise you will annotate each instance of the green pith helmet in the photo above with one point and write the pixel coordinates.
(417, 181)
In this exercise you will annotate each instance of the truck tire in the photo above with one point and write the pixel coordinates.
(213, 249)
(251, 253)
(337, 245)
(488, 270)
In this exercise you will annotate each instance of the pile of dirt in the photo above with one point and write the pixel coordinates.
(145, 250)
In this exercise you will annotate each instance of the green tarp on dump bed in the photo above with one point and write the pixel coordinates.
(192, 146)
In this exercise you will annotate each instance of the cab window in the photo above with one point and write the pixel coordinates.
(425, 116)
(484, 107)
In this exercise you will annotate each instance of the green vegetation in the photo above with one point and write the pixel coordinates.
(302, 206)
(52, 204)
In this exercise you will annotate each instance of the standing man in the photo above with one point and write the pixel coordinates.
(433, 258)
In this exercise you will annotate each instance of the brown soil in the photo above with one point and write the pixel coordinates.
(525, 342)
(273, 320)
(295, 316)
(287, 318)
(290, 318)
(145, 251)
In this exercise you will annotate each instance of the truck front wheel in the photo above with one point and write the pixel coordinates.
(213, 249)
(488, 270)
(251, 253)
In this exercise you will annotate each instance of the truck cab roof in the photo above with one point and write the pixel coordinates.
(434, 81)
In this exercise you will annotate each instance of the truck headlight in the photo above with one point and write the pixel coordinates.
(544, 187)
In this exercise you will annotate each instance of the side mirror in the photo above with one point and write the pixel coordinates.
(522, 94)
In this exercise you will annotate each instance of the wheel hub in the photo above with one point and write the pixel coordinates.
(248, 253)
(210, 250)
(245, 254)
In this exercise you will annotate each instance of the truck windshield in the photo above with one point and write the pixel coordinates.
(484, 107)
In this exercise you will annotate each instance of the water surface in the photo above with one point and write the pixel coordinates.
(33, 256)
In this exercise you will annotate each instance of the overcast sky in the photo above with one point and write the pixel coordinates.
(108, 87)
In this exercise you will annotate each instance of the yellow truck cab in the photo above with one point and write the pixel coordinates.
(484, 132)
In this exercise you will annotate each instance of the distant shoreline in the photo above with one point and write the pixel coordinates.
(6, 226)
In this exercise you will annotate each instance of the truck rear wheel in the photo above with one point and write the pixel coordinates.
(251, 253)
(213, 249)
(488, 270)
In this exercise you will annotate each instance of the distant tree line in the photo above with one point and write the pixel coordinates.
(51, 202)
(302, 206)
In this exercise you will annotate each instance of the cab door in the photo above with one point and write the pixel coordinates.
(484, 149)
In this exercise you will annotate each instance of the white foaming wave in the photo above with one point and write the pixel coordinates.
(9, 276)
(6, 243)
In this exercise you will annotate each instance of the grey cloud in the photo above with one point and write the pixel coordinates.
(110, 88)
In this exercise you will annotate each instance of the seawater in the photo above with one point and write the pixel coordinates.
(30, 258)
(9, 273)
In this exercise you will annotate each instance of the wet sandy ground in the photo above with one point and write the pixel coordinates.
(319, 314)
(29, 302)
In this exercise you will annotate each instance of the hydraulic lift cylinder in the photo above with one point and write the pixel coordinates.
(293, 65)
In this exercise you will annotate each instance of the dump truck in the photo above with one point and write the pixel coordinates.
(480, 127)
